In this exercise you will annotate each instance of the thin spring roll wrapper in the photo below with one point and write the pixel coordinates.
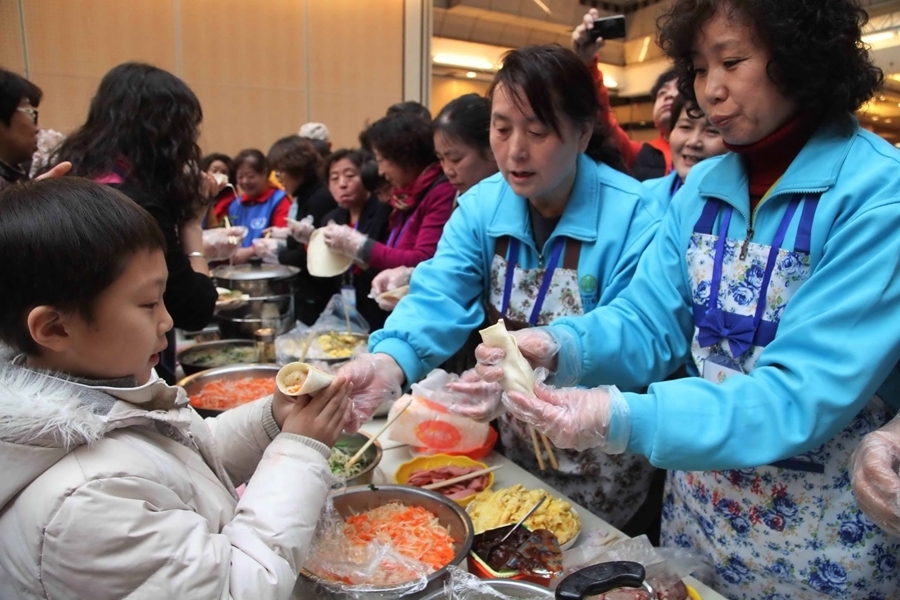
(321, 261)
(315, 379)
(394, 294)
(518, 376)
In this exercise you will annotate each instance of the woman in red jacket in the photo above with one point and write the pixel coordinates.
(422, 198)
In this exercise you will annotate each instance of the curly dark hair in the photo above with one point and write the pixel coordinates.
(297, 157)
(151, 119)
(818, 57)
(404, 138)
(554, 82)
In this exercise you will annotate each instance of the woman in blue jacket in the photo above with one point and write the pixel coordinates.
(775, 272)
(553, 234)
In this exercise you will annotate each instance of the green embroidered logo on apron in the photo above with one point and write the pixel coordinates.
(588, 284)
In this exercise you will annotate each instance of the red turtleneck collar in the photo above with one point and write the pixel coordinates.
(768, 159)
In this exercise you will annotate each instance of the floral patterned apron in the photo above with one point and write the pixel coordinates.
(612, 487)
(790, 530)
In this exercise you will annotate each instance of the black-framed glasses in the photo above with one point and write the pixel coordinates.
(30, 111)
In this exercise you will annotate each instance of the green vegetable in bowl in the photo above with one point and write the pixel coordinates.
(338, 463)
(222, 357)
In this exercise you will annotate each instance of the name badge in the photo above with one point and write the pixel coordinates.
(718, 367)
(348, 295)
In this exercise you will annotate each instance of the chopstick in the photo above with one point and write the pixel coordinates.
(461, 478)
(550, 454)
(372, 439)
(537, 448)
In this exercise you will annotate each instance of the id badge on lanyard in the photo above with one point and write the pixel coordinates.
(718, 367)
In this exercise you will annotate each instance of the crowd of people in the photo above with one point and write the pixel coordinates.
(713, 316)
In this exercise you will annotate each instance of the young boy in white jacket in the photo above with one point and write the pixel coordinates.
(112, 486)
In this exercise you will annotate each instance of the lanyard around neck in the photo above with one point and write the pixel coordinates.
(545, 283)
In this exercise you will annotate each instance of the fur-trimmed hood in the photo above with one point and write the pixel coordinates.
(44, 417)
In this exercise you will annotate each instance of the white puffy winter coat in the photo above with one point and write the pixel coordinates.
(127, 493)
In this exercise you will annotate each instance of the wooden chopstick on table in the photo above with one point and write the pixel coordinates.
(372, 439)
(439, 484)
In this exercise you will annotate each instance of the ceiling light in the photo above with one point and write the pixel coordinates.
(644, 49)
(471, 74)
(874, 117)
(610, 82)
(463, 61)
(880, 36)
(888, 121)
(543, 7)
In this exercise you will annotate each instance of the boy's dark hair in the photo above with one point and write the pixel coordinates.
(553, 81)
(297, 157)
(468, 119)
(151, 119)
(254, 158)
(664, 78)
(818, 56)
(13, 88)
(77, 236)
(403, 138)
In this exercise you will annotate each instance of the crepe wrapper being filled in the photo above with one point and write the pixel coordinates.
(300, 379)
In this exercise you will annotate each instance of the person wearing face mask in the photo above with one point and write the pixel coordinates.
(644, 160)
(260, 205)
(557, 232)
(775, 273)
(19, 99)
(692, 140)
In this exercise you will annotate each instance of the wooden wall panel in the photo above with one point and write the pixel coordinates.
(235, 117)
(88, 37)
(66, 100)
(356, 63)
(445, 89)
(11, 56)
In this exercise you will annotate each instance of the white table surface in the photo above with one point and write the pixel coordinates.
(396, 454)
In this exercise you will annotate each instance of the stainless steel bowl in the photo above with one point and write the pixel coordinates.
(513, 589)
(351, 443)
(193, 383)
(362, 498)
(187, 356)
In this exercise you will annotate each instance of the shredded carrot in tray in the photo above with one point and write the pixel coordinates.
(223, 394)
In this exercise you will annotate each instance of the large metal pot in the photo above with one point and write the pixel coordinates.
(362, 498)
(193, 383)
(191, 361)
(271, 290)
(513, 589)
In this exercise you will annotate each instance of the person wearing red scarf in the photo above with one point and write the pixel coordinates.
(422, 198)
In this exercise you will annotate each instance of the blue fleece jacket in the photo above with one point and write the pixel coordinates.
(837, 340)
(610, 213)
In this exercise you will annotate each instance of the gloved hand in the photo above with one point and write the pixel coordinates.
(345, 240)
(221, 242)
(482, 397)
(302, 229)
(575, 418)
(373, 379)
(541, 347)
(874, 473)
(278, 233)
(267, 249)
(390, 280)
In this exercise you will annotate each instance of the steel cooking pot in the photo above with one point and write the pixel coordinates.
(271, 298)
(258, 280)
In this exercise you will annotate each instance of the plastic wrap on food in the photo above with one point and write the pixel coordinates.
(461, 585)
(356, 570)
(665, 567)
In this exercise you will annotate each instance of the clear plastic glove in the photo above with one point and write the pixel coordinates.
(278, 233)
(221, 242)
(483, 398)
(345, 240)
(373, 379)
(542, 347)
(874, 473)
(581, 37)
(267, 249)
(302, 229)
(394, 280)
(575, 418)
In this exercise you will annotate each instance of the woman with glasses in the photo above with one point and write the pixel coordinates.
(19, 99)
